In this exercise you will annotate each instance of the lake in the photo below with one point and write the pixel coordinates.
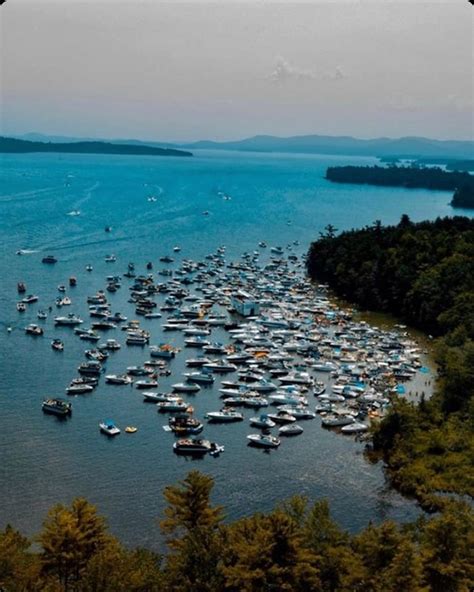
(274, 198)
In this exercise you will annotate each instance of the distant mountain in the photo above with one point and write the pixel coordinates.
(400, 148)
(410, 147)
(13, 145)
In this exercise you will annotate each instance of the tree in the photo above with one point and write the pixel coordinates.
(69, 539)
(19, 568)
(448, 550)
(192, 565)
(266, 553)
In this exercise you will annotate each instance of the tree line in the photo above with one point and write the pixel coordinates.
(297, 547)
(414, 176)
(424, 274)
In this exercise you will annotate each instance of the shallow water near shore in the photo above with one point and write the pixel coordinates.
(274, 198)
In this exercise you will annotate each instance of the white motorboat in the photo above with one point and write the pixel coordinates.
(199, 377)
(292, 429)
(337, 420)
(298, 411)
(109, 428)
(354, 428)
(282, 417)
(118, 379)
(172, 406)
(153, 397)
(70, 321)
(79, 389)
(186, 387)
(263, 440)
(34, 330)
(262, 421)
(224, 416)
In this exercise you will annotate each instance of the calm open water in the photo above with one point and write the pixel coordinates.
(275, 198)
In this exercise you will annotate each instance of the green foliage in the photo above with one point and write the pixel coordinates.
(423, 273)
(410, 177)
(193, 562)
(294, 548)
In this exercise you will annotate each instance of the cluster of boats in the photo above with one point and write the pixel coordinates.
(288, 353)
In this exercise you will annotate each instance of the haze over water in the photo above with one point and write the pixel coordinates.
(274, 198)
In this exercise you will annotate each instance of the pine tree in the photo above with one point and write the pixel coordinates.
(192, 565)
(69, 539)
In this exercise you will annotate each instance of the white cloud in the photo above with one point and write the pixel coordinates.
(285, 71)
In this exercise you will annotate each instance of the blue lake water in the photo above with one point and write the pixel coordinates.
(275, 198)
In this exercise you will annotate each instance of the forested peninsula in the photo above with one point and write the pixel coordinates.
(297, 547)
(14, 146)
(411, 177)
(424, 274)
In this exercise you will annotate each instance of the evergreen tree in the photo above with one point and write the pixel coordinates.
(69, 539)
(193, 564)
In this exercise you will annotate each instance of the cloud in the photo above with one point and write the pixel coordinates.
(284, 71)
(337, 74)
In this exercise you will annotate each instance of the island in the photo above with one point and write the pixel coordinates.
(409, 177)
(14, 146)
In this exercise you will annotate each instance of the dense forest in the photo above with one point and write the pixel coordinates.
(423, 273)
(297, 547)
(11, 145)
(409, 177)
(463, 197)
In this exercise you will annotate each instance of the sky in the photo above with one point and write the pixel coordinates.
(184, 71)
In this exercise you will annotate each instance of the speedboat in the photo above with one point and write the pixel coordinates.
(57, 344)
(89, 335)
(57, 407)
(34, 330)
(20, 306)
(41, 315)
(298, 411)
(109, 428)
(197, 447)
(282, 417)
(220, 367)
(152, 397)
(172, 406)
(184, 387)
(354, 428)
(263, 422)
(79, 389)
(292, 429)
(224, 416)
(21, 287)
(110, 259)
(111, 344)
(263, 440)
(118, 379)
(337, 420)
(70, 321)
(30, 299)
(199, 377)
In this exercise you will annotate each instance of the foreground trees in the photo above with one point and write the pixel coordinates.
(296, 548)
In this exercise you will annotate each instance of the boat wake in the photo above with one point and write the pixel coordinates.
(26, 251)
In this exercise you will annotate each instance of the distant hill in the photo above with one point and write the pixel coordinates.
(13, 145)
(410, 147)
(400, 148)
